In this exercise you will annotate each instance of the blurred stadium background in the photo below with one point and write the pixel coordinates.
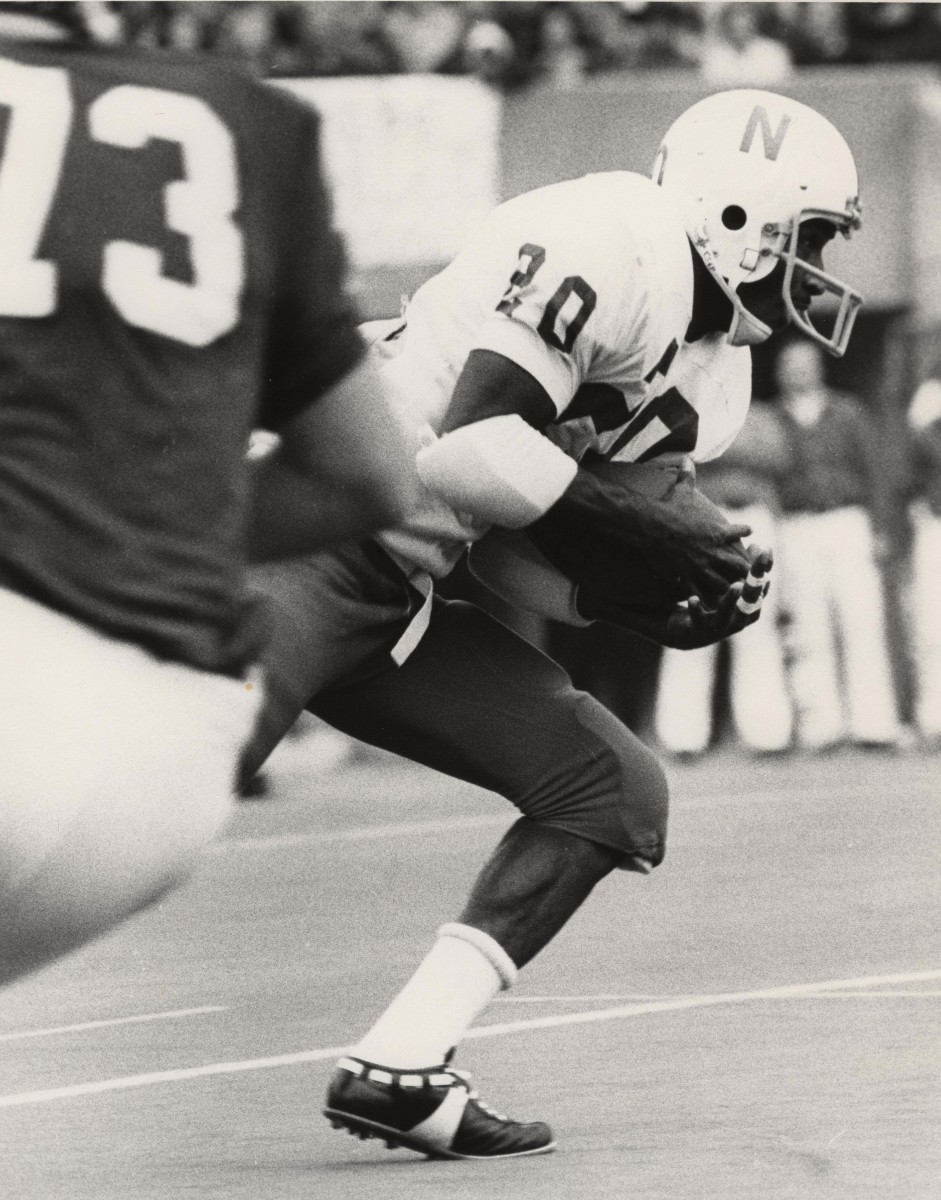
(436, 111)
(490, 100)
(132, 1070)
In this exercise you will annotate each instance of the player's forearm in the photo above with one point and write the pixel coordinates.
(291, 513)
(630, 518)
(344, 467)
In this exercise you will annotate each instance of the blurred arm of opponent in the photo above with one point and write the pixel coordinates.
(344, 467)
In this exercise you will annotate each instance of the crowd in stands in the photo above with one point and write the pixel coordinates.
(520, 43)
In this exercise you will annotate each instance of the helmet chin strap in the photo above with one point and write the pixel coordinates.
(746, 329)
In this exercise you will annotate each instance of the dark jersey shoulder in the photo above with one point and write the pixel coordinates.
(171, 280)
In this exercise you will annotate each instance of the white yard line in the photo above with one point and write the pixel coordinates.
(907, 995)
(588, 999)
(170, 1015)
(366, 833)
(678, 1003)
(621, 1012)
(361, 833)
(634, 996)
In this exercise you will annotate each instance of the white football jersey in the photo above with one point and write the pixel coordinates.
(587, 285)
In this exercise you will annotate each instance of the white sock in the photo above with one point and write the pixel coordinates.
(455, 982)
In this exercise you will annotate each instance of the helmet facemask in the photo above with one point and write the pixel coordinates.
(781, 243)
(849, 300)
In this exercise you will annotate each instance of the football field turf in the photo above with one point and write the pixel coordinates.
(757, 1020)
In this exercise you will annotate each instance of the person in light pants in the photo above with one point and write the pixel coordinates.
(924, 421)
(841, 674)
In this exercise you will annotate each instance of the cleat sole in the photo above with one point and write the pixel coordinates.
(363, 1129)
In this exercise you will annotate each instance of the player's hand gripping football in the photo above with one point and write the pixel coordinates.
(637, 535)
(689, 543)
(693, 625)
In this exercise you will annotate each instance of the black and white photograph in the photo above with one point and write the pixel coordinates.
(470, 600)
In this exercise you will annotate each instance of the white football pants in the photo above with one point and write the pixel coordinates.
(761, 707)
(840, 675)
(117, 769)
(925, 615)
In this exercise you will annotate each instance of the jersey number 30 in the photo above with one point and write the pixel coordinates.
(199, 206)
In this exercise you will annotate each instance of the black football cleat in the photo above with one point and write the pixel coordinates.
(434, 1111)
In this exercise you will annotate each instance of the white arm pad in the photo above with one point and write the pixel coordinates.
(501, 471)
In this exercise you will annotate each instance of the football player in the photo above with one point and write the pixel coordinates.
(602, 320)
(169, 279)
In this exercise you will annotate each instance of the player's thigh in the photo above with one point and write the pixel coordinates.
(324, 614)
(477, 702)
(118, 770)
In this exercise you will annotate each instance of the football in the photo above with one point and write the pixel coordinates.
(540, 568)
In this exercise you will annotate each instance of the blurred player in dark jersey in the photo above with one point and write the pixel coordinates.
(605, 318)
(169, 281)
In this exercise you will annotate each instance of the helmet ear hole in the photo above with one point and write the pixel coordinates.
(734, 217)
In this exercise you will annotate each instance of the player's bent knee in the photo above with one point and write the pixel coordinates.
(643, 801)
(602, 783)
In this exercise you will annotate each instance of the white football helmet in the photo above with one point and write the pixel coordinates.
(745, 168)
